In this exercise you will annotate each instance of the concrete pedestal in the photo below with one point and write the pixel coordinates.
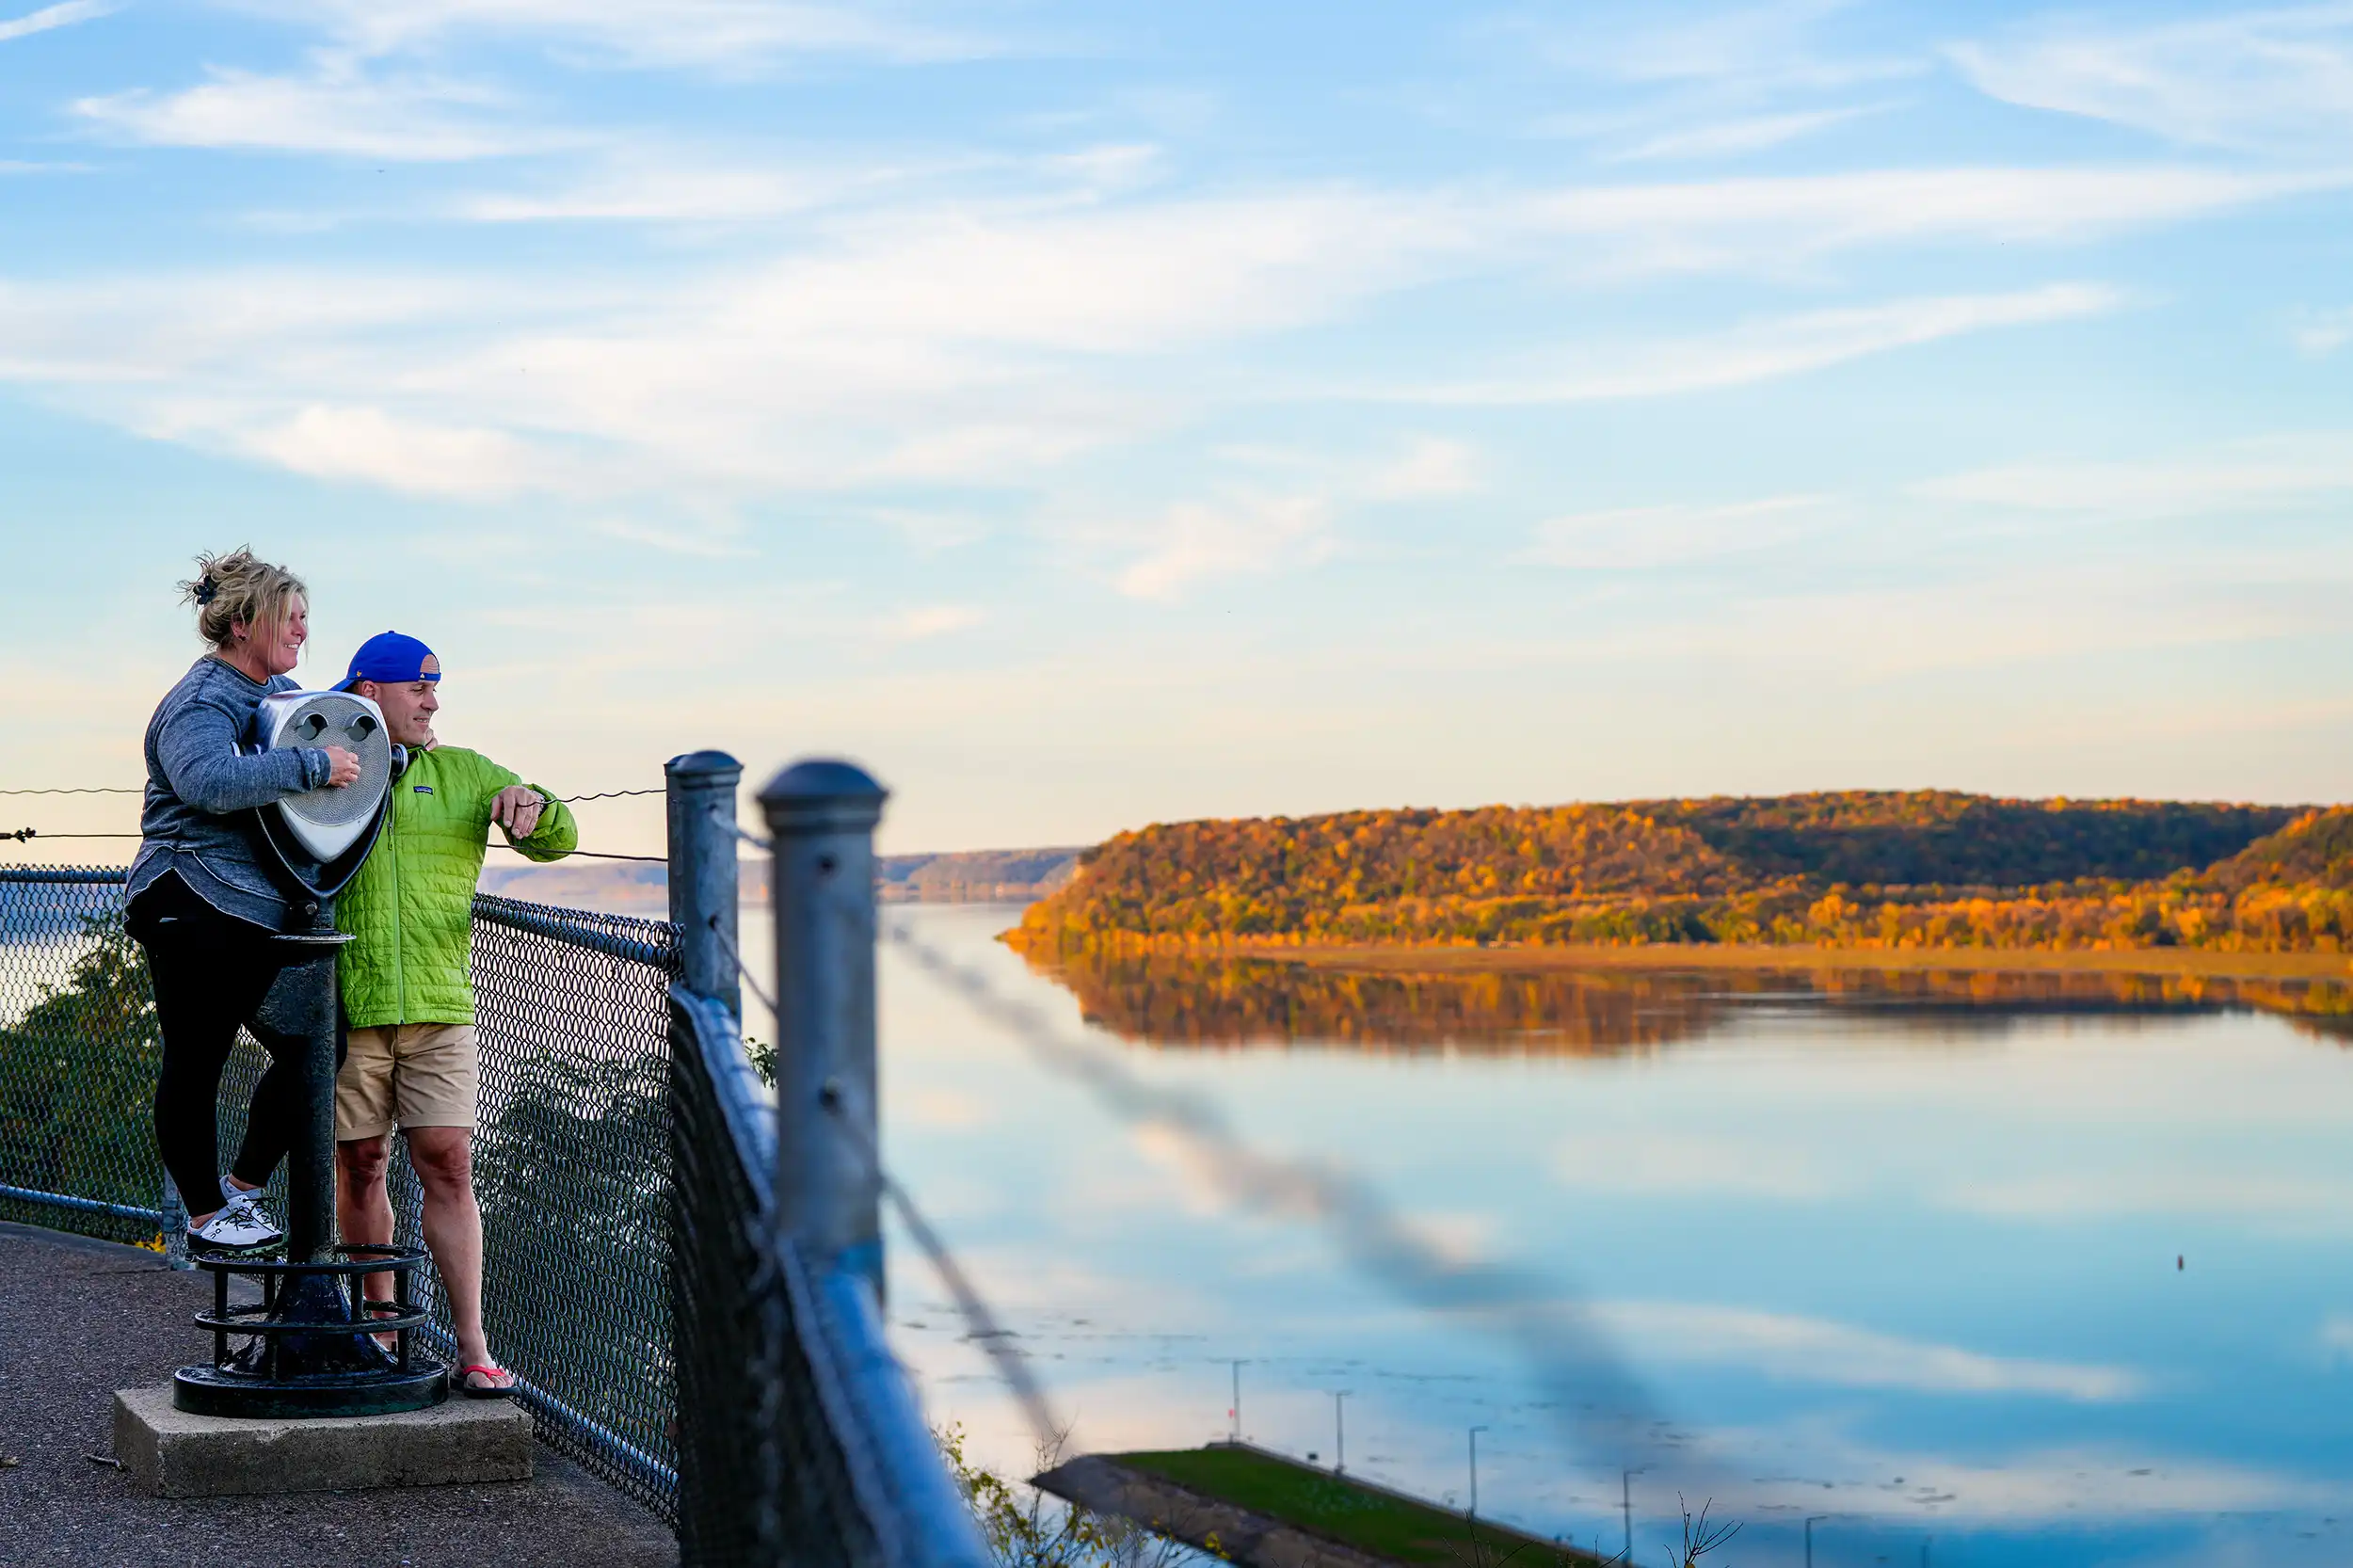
(170, 1453)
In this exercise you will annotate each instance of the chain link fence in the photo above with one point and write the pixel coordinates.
(78, 1054)
(572, 1157)
(669, 1330)
(572, 1166)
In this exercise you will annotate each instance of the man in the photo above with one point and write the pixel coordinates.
(407, 985)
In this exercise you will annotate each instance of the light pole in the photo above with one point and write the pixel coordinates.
(1339, 1433)
(1474, 1456)
(1626, 1500)
(1236, 1413)
(1811, 1520)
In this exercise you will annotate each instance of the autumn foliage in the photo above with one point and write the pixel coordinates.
(1868, 869)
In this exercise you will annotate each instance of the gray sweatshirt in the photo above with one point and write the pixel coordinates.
(200, 783)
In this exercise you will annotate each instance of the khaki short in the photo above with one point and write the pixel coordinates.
(417, 1075)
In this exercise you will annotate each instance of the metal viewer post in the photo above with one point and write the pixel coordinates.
(702, 873)
(822, 815)
(1474, 1468)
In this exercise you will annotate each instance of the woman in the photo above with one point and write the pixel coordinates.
(201, 902)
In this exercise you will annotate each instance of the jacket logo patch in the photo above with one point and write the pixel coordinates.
(423, 788)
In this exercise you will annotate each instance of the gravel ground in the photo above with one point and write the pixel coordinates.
(79, 1319)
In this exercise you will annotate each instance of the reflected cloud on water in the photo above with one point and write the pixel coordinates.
(2048, 1268)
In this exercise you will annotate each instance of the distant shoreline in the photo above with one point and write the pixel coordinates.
(2199, 963)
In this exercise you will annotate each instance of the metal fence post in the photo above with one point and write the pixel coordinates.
(173, 1226)
(702, 873)
(822, 815)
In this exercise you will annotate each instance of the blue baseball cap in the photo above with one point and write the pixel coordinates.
(393, 659)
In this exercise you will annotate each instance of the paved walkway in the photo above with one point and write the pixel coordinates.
(79, 1319)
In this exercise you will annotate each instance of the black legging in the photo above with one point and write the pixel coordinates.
(211, 971)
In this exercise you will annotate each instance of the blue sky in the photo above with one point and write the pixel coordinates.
(1090, 415)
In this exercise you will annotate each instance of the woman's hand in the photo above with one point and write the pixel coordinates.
(342, 767)
(517, 808)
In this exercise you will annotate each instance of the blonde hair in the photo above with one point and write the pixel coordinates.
(235, 588)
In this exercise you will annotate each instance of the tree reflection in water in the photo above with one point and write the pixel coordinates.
(1173, 999)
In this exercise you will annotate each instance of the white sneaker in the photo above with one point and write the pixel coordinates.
(241, 1225)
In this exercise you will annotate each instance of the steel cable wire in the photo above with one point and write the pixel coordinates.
(1593, 1393)
(81, 789)
(981, 1325)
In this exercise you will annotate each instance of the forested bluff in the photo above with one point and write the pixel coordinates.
(1868, 869)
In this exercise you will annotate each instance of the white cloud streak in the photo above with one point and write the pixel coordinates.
(49, 17)
(336, 113)
(1741, 51)
(1632, 538)
(2280, 473)
(987, 341)
(922, 622)
(1820, 1351)
(1734, 137)
(725, 35)
(1430, 468)
(1193, 540)
(408, 456)
(2275, 81)
(632, 187)
(1708, 225)
(1792, 345)
(2320, 334)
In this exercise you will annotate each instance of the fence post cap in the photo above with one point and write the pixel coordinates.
(702, 764)
(819, 794)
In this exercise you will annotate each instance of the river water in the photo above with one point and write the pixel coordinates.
(1974, 1274)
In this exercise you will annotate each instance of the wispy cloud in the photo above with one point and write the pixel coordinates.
(976, 339)
(2320, 334)
(634, 186)
(1195, 540)
(404, 454)
(1821, 1351)
(1634, 538)
(2276, 81)
(726, 34)
(1768, 223)
(704, 545)
(2256, 476)
(1751, 51)
(1429, 468)
(64, 15)
(1788, 345)
(336, 112)
(919, 623)
(1723, 139)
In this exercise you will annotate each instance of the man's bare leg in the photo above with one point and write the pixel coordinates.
(364, 1209)
(443, 1157)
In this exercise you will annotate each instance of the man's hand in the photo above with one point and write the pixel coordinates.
(342, 767)
(517, 810)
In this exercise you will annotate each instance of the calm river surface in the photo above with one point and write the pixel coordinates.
(1905, 1261)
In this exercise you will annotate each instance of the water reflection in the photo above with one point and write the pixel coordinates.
(2080, 1292)
(1178, 1001)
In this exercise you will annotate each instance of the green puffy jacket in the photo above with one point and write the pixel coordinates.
(411, 906)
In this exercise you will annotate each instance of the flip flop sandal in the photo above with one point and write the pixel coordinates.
(496, 1391)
